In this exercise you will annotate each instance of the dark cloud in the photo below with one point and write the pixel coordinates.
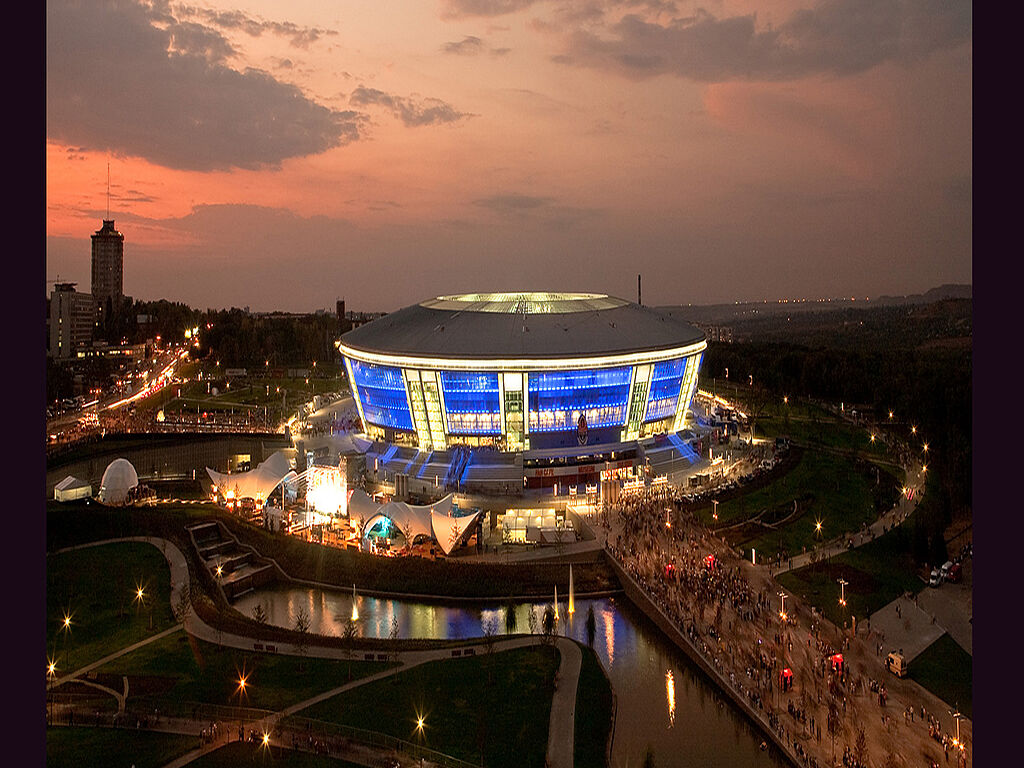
(513, 202)
(127, 78)
(411, 112)
(196, 40)
(543, 211)
(467, 46)
(459, 8)
(839, 37)
(300, 37)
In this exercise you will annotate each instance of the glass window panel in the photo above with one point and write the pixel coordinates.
(558, 398)
(666, 381)
(472, 402)
(382, 394)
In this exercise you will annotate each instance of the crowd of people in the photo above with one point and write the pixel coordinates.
(739, 628)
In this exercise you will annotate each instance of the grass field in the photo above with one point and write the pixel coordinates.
(945, 669)
(177, 669)
(876, 573)
(97, 587)
(104, 747)
(494, 710)
(825, 486)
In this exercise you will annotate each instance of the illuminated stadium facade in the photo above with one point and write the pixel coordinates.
(522, 372)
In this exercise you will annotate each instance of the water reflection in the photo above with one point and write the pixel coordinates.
(670, 693)
(645, 670)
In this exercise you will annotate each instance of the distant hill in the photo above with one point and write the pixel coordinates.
(720, 314)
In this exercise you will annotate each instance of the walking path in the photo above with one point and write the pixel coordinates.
(561, 731)
(563, 706)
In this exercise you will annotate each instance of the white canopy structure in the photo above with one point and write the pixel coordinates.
(71, 488)
(434, 520)
(256, 483)
(118, 479)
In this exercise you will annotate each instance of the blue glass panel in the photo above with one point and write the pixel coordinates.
(695, 362)
(558, 398)
(471, 400)
(382, 394)
(666, 380)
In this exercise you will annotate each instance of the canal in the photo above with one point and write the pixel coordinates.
(663, 701)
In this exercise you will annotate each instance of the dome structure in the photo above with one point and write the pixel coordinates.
(528, 370)
(118, 480)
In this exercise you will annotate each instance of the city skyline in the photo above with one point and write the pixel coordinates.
(281, 159)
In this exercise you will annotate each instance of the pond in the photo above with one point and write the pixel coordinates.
(664, 701)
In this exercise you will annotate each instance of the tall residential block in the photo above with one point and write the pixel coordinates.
(107, 264)
(72, 315)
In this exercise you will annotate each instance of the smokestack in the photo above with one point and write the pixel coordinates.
(639, 299)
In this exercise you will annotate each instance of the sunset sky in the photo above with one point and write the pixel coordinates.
(284, 155)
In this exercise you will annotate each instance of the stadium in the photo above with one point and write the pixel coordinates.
(534, 390)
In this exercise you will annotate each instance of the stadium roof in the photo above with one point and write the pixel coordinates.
(521, 326)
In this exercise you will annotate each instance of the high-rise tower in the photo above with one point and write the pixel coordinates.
(107, 264)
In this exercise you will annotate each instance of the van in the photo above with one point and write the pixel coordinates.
(935, 579)
(944, 570)
(897, 664)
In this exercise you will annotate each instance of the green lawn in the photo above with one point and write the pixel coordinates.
(825, 486)
(177, 669)
(945, 669)
(593, 712)
(240, 753)
(494, 710)
(876, 573)
(97, 587)
(809, 424)
(104, 747)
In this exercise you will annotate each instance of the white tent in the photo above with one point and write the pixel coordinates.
(71, 488)
(434, 520)
(118, 479)
(256, 483)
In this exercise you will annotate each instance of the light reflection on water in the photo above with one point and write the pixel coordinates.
(650, 677)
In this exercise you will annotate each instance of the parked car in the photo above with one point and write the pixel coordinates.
(935, 579)
(897, 664)
(955, 574)
(944, 570)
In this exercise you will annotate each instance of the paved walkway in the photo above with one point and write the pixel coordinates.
(563, 709)
(562, 729)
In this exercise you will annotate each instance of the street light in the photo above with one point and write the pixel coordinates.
(714, 514)
(842, 591)
(956, 714)
(782, 613)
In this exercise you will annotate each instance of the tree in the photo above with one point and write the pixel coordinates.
(860, 747)
(490, 630)
(302, 628)
(548, 624)
(510, 618)
(833, 722)
(591, 626)
(531, 620)
(393, 640)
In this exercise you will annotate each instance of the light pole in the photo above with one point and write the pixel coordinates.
(956, 715)
(714, 514)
